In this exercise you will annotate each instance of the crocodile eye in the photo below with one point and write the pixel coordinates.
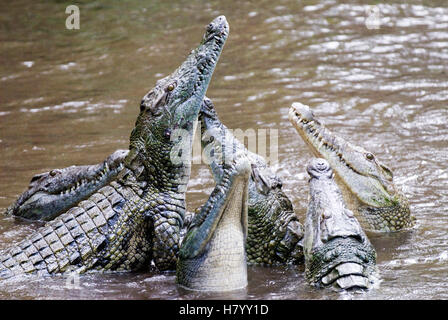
(209, 27)
(170, 87)
(53, 173)
(370, 156)
(326, 215)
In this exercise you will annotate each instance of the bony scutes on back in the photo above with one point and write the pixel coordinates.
(337, 251)
(135, 219)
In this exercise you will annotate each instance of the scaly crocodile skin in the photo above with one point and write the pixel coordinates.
(137, 217)
(274, 230)
(102, 233)
(337, 251)
(212, 256)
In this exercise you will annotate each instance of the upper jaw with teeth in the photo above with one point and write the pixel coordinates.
(367, 185)
(300, 113)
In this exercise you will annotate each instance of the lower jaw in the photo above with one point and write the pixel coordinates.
(301, 131)
(223, 267)
(218, 279)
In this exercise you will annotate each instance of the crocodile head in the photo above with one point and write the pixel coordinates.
(220, 145)
(161, 142)
(337, 251)
(270, 212)
(212, 256)
(52, 193)
(367, 184)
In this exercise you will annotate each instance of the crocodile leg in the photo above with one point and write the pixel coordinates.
(272, 219)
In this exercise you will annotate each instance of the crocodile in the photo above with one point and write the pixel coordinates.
(274, 230)
(337, 252)
(366, 183)
(212, 256)
(133, 221)
(51, 193)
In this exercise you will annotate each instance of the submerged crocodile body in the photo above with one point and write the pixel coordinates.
(366, 183)
(136, 218)
(337, 251)
(274, 230)
(213, 256)
(50, 194)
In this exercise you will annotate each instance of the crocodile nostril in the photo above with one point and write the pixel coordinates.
(321, 166)
(210, 27)
(217, 27)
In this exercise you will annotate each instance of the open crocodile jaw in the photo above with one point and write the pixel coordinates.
(367, 184)
(212, 256)
(140, 214)
(270, 212)
(52, 193)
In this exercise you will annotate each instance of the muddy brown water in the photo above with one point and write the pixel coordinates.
(70, 97)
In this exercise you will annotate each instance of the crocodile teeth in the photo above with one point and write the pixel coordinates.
(321, 143)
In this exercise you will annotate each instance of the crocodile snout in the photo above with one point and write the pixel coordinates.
(218, 26)
(302, 111)
(318, 168)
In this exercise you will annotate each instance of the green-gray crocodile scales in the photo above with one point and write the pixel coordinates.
(274, 230)
(337, 251)
(136, 218)
(213, 256)
(50, 194)
(366, 183)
